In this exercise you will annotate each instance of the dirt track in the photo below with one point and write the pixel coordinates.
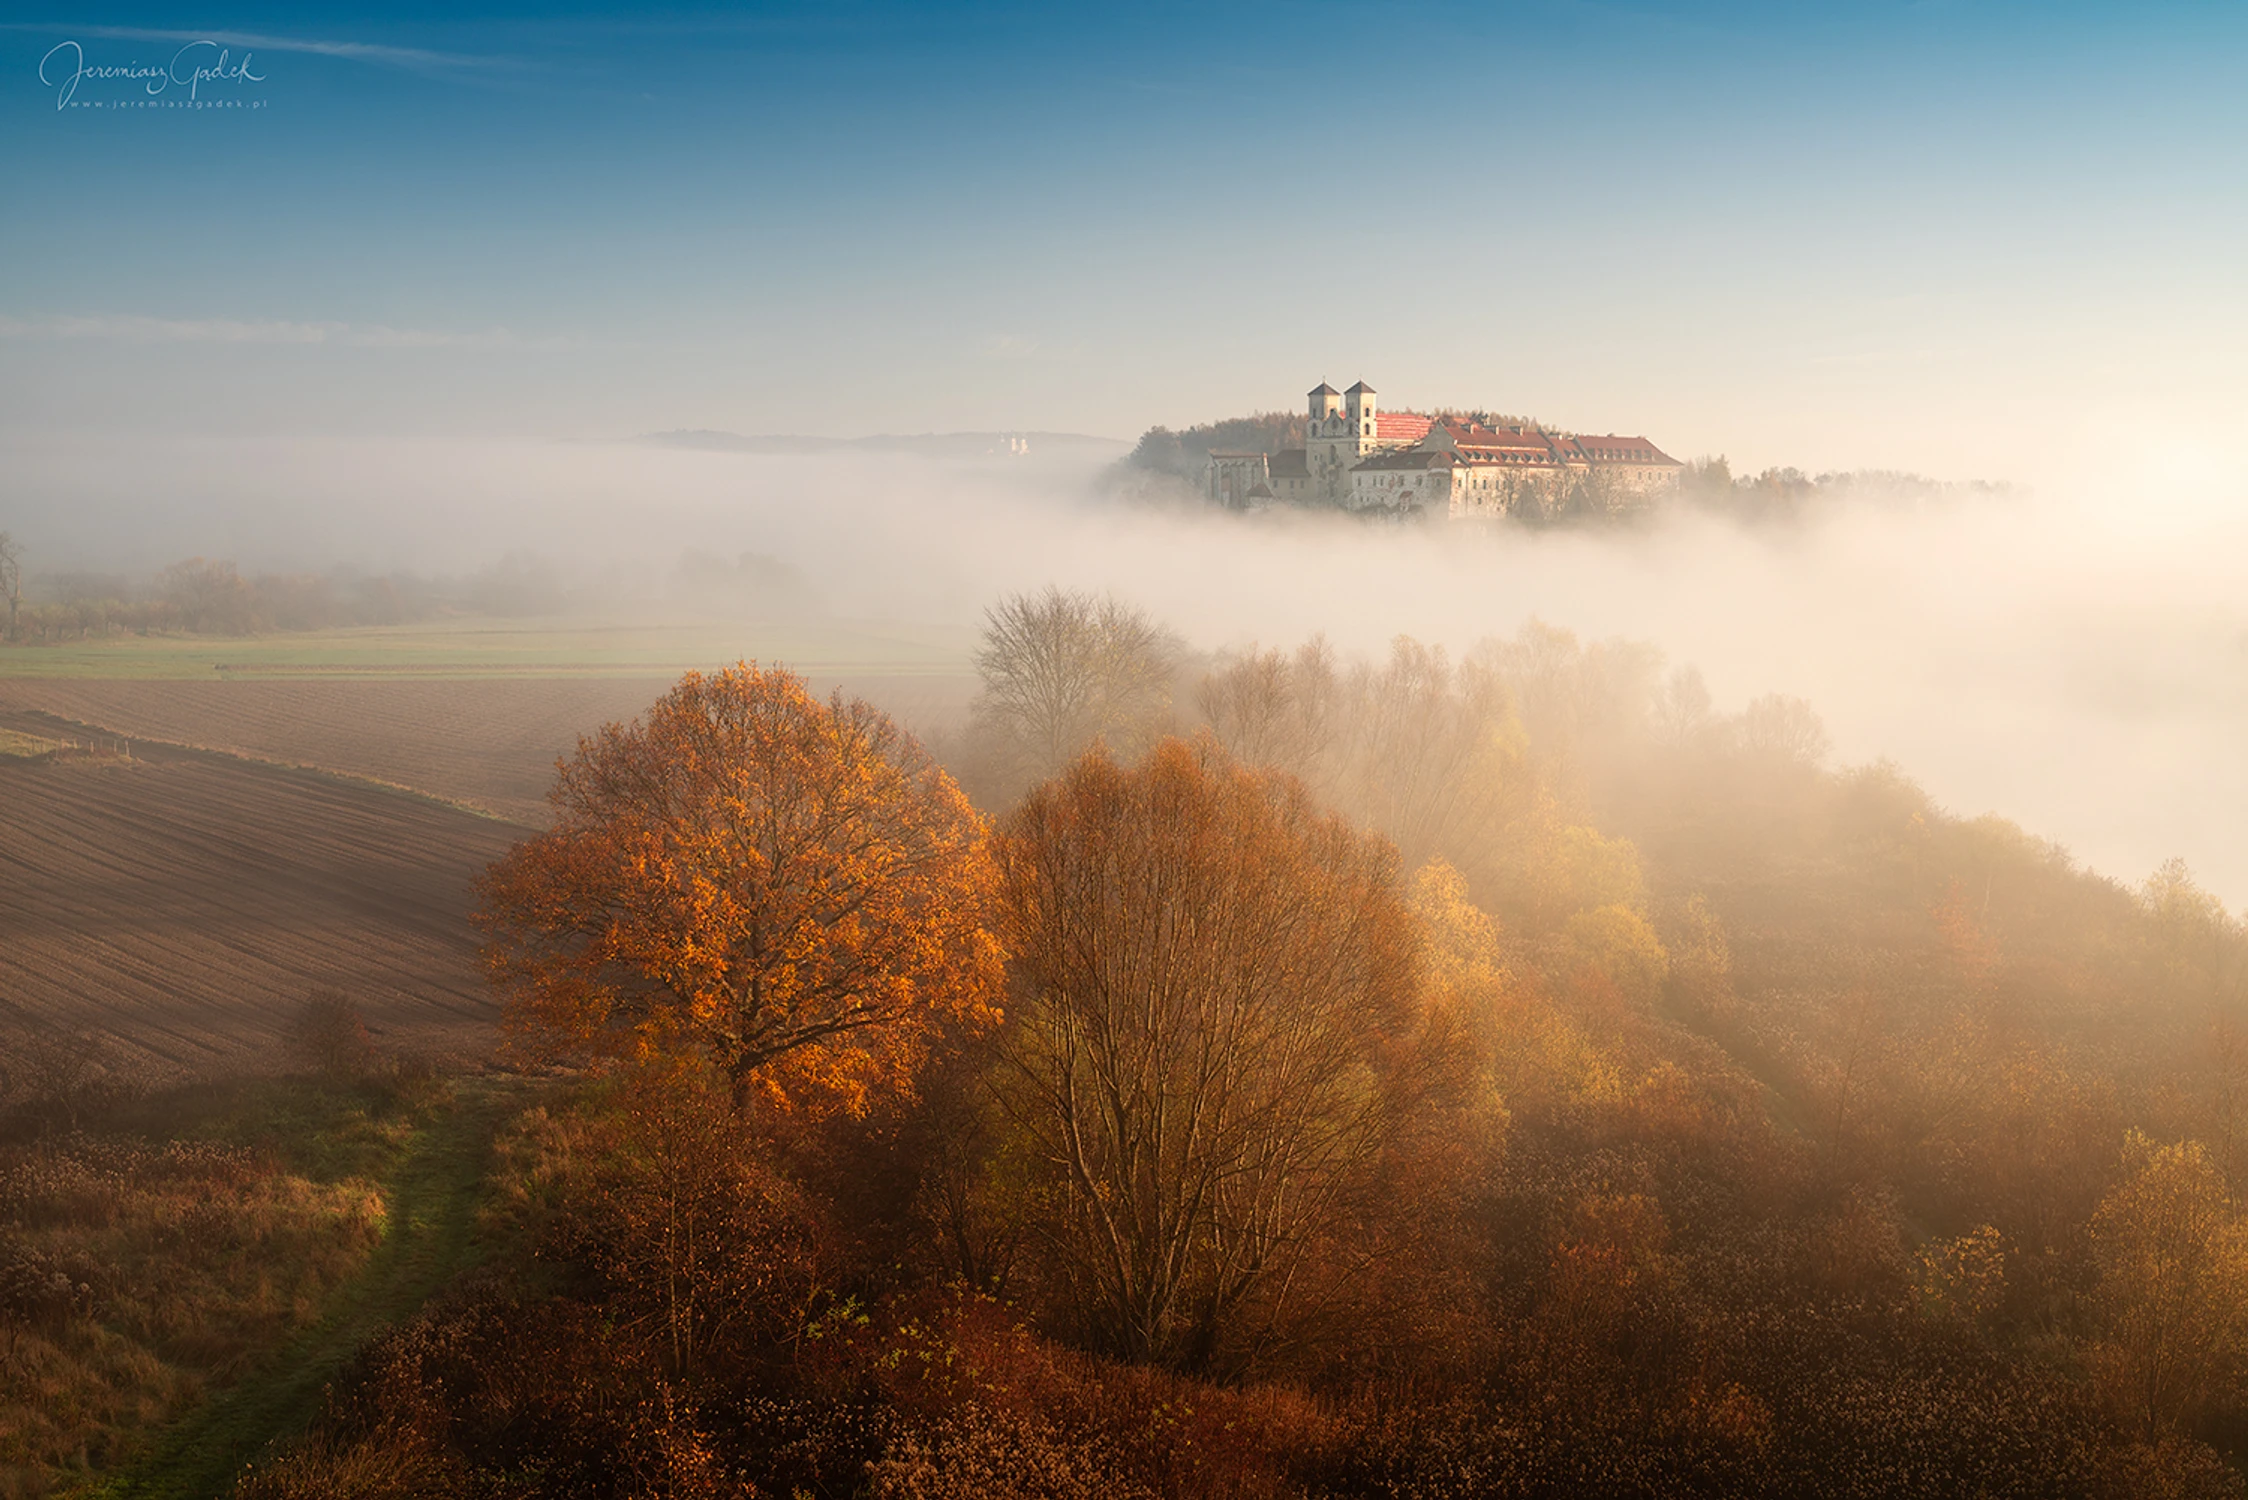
(183, 903)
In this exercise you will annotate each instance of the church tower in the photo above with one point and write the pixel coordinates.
(1358, 410)
(1330, 443)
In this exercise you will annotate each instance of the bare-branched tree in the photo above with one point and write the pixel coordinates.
(1430, 750)
(1064, 670)
(1275, 710)
(1215, 995)
(1417, 747)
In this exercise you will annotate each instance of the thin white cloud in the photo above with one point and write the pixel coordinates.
(413, 59)
(135, 329)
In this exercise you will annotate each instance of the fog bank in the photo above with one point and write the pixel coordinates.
(2075, 662)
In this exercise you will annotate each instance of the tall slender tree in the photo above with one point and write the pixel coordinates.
(11, 578)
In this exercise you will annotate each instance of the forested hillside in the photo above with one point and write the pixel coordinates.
(1419, 1077)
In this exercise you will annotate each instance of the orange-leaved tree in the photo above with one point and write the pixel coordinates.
(791, 888)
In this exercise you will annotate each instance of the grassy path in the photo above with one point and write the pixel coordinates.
(432, 1215)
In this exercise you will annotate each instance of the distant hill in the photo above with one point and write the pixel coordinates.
(1186, 452)
(932, 444)
(1776, 494)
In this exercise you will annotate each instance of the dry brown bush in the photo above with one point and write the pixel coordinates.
(328, 1035)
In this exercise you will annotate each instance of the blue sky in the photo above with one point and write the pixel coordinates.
(1964, 239)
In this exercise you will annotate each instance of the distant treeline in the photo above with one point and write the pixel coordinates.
(1185, 454)
(203, 596)
(1789, 493)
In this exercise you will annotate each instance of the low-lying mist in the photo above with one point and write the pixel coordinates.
(2077, 663)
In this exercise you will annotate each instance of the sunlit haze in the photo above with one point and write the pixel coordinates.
(401, 313)
(1422, 751)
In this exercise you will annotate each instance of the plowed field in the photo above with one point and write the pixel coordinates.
(489, 743)
(183, 903)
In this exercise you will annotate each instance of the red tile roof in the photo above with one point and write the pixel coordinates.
(1528, 445)
(1401, 426)
(1516, 444)
(1614, 449)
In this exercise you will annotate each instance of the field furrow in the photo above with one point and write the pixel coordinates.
(183, 905)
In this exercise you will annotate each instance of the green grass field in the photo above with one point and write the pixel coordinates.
(497, 648)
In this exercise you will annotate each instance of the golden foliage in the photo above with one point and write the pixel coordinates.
(1701, 961)
(790, 887)
(1462, 950)
(1614, 947)
(1965, 1276)
(2172, 1255)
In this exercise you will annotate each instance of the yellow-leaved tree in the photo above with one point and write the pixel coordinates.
(2172, 1254)
(790, 888)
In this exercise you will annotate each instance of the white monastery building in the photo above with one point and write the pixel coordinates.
(1361, 458)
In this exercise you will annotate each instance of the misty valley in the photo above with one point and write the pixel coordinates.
(710, 791)
(1122, 1064)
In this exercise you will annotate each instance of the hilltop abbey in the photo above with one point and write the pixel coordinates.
(1361, 458)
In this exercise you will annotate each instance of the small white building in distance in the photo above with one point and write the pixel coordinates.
(1361, 458)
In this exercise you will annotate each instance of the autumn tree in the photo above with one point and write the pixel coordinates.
(1779, 728)
(789, 887)
(328, 1034)
(210, 597)
(1679, 710)
(11, 578)
(2199, 947)
(1424, 750)
(1277, 709)
(1214, 1025)
(2173, 1288)
(705, 1249)
(1432, 749)
(1062, 670)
